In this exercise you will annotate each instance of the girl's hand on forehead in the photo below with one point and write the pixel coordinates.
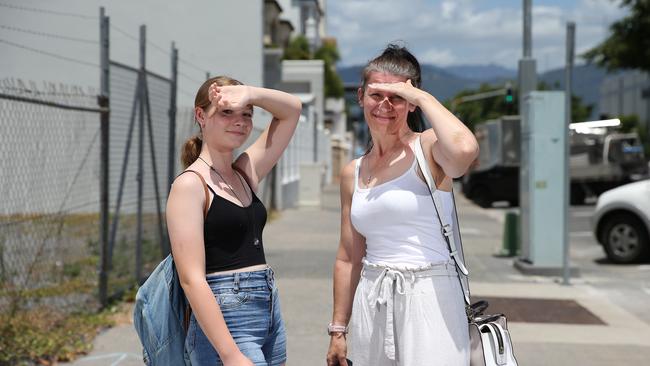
(233, 97)
(405, 90)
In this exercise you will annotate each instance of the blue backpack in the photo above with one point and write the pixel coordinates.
(162, 313)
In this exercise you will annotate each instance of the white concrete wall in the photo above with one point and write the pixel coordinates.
(220, 37)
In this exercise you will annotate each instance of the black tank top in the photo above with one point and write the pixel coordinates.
(233, 234)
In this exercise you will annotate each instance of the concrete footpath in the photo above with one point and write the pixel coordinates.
(301, 246)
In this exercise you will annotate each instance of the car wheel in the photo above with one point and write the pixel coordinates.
(625, 239)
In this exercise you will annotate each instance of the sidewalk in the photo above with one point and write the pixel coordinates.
(301, 246)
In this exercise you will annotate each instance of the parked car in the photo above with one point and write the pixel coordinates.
(621, 222)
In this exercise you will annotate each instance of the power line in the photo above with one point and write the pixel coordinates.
(137, 39)
(49, 53)
(45, 11)
(50, 35)
(126, 34)
(197, 68)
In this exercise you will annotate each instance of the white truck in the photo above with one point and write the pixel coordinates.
(601, 158)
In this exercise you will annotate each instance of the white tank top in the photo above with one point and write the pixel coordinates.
(399, 221)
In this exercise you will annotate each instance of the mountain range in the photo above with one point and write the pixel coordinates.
(445, 82)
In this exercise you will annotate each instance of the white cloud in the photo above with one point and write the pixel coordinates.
(437, 57)
(466, 31)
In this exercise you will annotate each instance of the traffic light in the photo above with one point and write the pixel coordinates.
(509, 98)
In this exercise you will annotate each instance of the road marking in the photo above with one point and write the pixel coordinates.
(119, 357)
(470, 231)
(582, 214)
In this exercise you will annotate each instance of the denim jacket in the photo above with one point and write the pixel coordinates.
(160, 317)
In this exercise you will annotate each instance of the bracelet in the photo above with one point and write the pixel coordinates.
(336, 328)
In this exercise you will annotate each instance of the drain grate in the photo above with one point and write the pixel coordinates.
(541, 310)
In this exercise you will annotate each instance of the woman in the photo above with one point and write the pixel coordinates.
(393, 277)
(220, 259)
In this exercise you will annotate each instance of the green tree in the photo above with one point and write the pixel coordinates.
(329, 53)
(628, 45)
(298, 49)
(474, 112)
(478, 111)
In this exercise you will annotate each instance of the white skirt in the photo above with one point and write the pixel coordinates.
(408, 317)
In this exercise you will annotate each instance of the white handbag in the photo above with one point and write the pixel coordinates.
(490, 342)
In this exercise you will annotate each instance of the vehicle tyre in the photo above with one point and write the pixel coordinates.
(481, 195)
(625, 239)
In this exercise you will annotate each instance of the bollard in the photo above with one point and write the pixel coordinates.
(510, 244)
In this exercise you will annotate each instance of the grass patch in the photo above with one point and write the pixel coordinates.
(46, 336)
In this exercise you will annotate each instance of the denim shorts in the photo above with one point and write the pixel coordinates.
(251, 308)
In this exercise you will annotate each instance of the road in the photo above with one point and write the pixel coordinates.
(626, 285)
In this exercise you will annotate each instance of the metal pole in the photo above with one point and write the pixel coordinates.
(104, 102)
(527, 78)
(140, 175)
(568, 88)
(171, 154)
(527, 65)
(125, 163)
(528, 34)
(207, 75)
(152, 150)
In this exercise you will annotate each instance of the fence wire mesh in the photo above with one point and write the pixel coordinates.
(49, 218)
(128, 262)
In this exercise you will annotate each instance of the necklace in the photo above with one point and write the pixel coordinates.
(228, 184)
(380, 160)
(256, 241)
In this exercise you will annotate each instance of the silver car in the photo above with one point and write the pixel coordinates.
(621, 222)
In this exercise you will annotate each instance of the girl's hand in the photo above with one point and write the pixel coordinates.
(234, 97)
(405, 90)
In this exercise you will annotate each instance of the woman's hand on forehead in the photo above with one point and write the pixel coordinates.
(405, 90)
(232, 97)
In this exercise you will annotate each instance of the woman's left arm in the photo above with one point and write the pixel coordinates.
(453, 145)
(258, 160)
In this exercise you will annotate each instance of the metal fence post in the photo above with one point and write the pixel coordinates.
(171, 157)
(103, 101)
(140, 175)
(568, 86)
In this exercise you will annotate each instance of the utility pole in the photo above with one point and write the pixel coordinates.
(527, 79)
(568, 73)
(527, 66)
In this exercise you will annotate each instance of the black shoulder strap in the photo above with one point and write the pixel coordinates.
(205, 189)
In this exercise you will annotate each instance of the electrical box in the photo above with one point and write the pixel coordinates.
(541, 184)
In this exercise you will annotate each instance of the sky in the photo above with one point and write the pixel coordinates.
(440, 32)
(462, 32)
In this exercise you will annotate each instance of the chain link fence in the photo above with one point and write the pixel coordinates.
(50, 188)
(139, 132)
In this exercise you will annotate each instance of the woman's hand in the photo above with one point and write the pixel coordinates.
(228, 97)
(405, 90)
(337, 351)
